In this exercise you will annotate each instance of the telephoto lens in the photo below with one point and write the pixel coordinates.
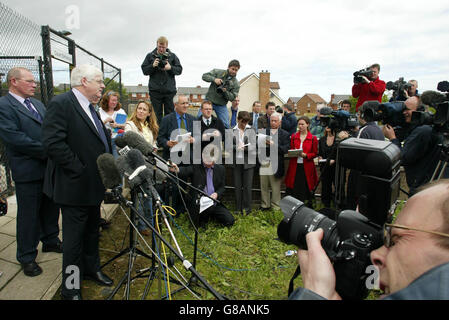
(299, 220)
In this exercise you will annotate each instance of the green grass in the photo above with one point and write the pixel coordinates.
(243, 262)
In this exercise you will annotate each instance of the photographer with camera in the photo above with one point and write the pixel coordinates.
(367, 85)
(224, 87)
(412, 264)
(402, 90)
(420, 152)
(162, 66)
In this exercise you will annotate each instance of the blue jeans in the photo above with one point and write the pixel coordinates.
(145, 207)
(222, 114)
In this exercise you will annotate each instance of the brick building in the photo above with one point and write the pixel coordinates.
(309, 103)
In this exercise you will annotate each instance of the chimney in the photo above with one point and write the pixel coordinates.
(264, 87)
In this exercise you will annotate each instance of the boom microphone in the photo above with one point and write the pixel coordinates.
(136, 141)
(432, 98)
(110, 175)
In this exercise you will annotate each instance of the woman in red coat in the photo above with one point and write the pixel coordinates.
(301, 176)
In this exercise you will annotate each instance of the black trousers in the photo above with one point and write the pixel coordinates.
(37, 220)
(243, 182)
(162, 102)
(218, 213)
(80, 227)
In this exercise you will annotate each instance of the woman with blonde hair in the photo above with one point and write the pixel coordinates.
(143, 121)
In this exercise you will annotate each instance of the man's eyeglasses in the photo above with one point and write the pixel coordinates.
(387, 232)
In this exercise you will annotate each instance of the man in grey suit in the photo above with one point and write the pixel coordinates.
(21, 119)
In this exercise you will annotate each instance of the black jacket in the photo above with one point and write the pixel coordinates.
(282, 144)
(73, 145)
(289, 123)
(420, 155)
(197, 173)
(161, 81)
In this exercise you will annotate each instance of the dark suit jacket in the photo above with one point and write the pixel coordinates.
(262, 122)
(282, 140)
(197, 173)
(73, 146)
(168, 124)
(21, 133)
(249, 152)
(214, 124)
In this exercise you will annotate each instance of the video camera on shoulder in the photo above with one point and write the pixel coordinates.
(399, 87)
(439, 119)
(358, 75)
(338, 120)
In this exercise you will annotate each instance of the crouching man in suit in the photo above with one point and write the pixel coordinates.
(74, 137)
(210, 178)
(20, 129)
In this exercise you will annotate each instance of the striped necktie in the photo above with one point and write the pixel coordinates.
(32, 110)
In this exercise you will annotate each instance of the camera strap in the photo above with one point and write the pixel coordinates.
(295, 275)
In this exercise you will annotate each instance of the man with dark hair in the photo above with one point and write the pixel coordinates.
(370, 89)
(162, 66)
(234, 110)
(420, 152)
(211, 127)
(264, 121)
(346, 105)
(289, 121)
(224, 87)
(413, 263)
(21, 119)
(255, 114)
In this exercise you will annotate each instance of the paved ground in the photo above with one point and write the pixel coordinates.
(14, 285)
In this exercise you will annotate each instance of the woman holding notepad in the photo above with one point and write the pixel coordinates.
(112, 115)
(301, 177)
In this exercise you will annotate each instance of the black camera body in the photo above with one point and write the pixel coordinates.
(367, 72)
(338, 120)
(399, 87)
(224, 85)
(440, 102)
(349, 239)
(163, 58)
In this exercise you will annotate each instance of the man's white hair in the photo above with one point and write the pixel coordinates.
(276, 114)
(84, 71)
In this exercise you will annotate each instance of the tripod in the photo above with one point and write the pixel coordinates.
(185, 263)
(132, 251)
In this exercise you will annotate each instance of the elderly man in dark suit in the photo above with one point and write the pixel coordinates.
(74, 137)
(172, 125)
(272, 167)
(20, 129)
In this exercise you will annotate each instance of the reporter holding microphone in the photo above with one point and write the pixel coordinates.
(143, 121)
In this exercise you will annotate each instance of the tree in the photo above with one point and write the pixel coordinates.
(114, 86)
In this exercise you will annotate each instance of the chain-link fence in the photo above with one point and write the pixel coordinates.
(47, 53)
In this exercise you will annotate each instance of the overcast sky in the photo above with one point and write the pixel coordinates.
(307, 46)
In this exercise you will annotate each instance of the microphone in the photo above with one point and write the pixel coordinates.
(126, 170)
(136, 141)
(109, 173)
(431, 98)
(138, 173)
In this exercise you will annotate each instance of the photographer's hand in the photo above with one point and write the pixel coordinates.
(167, 66)
(388, 132)
(365, 79)
(317, 272)
(156, 62)
(218, 82)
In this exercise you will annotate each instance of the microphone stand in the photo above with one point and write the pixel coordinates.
(200, 193)
(187, 265)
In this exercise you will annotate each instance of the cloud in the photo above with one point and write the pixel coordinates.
(308, 46)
